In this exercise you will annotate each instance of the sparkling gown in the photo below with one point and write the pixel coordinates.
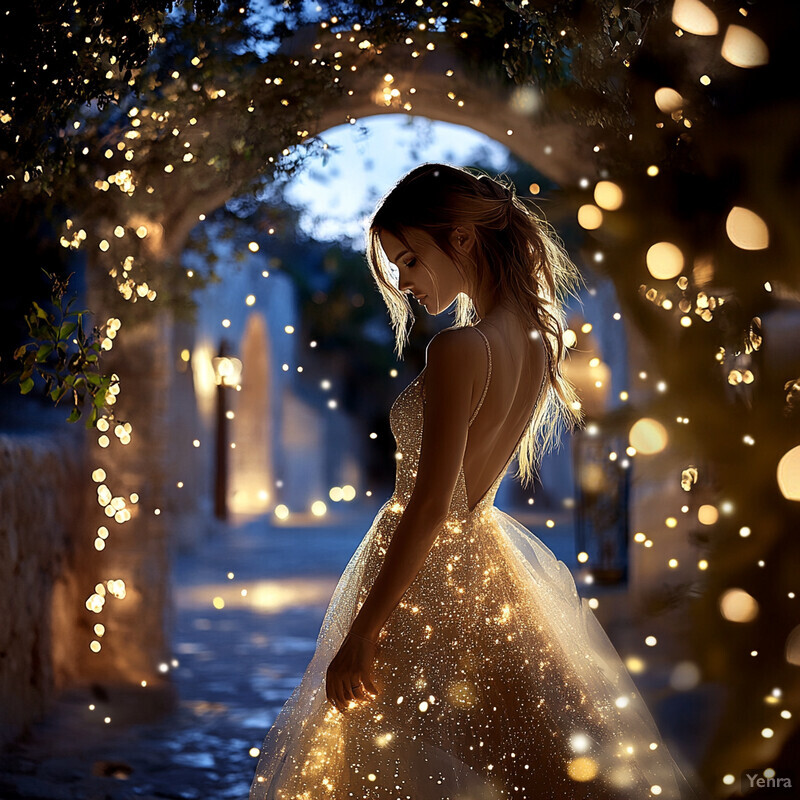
(497, 680)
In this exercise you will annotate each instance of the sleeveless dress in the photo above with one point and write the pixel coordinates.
(497, 680)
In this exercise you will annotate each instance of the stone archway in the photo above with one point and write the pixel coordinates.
(138, 638)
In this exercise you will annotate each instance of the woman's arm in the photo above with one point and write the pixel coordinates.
(454, 375)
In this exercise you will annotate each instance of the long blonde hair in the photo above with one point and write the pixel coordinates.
(519, 256)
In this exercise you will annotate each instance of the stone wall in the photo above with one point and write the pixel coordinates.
(42, 489)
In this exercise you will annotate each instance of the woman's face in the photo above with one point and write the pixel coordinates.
(424, 270)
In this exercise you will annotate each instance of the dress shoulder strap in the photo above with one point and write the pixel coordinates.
(488, 375)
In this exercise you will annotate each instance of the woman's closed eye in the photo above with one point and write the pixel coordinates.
(411, 262)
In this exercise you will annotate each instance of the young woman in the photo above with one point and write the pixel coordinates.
(456, 660)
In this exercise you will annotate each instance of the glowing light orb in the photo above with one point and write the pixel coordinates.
(526, 100)
(590, 217)
(789, 474)
(736, 605)
(580, 742)
(746, 229)
(582, 769)
(648, 436)
(634, 664)
(668, 100)
(684, 676)
(707, 514)
(695, 17)
(318, 508)
(664, 261)
(608, 195)
(793, 646)
(743, 48)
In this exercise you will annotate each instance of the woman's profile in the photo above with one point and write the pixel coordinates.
(456, 660)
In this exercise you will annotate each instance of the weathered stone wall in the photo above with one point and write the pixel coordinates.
(42, 491)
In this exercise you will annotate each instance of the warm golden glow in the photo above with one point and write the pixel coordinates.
(664, 261)
(318, 508)
(743, 48)
(746, 229)
(789, 474)
(608, 195)
(793, 646)
(668, 100)
(648, 436)
(227, 371)
(590, 217)
(695, 17)
(736, 605)
(582, 769)
(707, 514)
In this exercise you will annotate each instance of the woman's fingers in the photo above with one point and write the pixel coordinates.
(333, 690)
(350, 690)
(370, 686)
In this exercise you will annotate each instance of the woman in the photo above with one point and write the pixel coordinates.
(456, 660)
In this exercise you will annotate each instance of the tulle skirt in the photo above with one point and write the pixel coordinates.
(495, 681)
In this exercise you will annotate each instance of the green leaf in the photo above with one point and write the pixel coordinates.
(26, 385)
(92, 418)
(75, 415)
(57, 393)
(100, 399)
(40, 312)
(44, 351)
(20, 351)
(67, 329)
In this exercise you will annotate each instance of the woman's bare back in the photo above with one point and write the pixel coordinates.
(514, 367)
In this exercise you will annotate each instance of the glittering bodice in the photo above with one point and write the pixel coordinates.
(406, 422)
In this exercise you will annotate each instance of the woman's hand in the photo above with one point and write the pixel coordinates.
(349, 675)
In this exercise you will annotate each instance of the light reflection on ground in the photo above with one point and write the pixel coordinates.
(263, 597)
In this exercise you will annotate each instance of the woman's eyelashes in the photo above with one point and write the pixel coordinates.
(411, 262)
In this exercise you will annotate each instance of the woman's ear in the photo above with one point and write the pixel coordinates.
(463, 238)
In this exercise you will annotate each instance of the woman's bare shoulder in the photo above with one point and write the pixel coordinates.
(454, 346)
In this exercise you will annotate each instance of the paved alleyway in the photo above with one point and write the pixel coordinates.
(236, 665)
